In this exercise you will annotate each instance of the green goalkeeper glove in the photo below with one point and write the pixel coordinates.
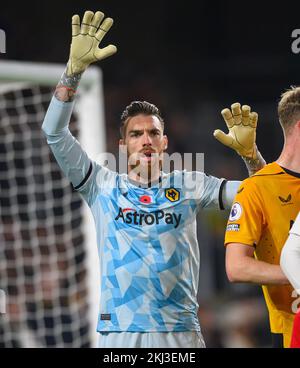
(242, 125)
(85, 41)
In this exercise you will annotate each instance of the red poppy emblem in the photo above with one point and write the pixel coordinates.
(145, 199)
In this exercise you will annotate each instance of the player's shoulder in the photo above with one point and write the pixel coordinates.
(187, 182)
(188, 178)
(268, 172)
(104, 176)
(260, 181)
(188, 175)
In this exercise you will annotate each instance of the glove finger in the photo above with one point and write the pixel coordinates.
(227, 116)
(104, 28)
(96, 21)
(86, 22)
(75, 25)
(107, 51)
(226, 139)
(237, 113)
(253, 119)
(246, 114)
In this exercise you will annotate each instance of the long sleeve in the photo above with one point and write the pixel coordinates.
(72, 159)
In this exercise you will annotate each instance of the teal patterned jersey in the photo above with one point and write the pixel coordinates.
(148, 249)
(146, 237)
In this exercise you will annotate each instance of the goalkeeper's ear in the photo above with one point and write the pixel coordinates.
(122, 146)
(165, 142)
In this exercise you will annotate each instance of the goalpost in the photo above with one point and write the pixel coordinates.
(49, 268)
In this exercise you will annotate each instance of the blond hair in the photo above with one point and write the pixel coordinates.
(289, 108)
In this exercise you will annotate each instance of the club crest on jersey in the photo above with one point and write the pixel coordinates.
(286, 200)
(236, 212)
(172, 194)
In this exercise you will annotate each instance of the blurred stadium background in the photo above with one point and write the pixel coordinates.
(191, 63)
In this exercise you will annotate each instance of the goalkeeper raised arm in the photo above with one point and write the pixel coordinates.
(84, 50)
(146, 219)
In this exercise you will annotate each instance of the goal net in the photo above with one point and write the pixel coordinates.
(49, 270)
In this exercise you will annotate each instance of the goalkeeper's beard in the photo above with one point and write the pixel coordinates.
(144, 169)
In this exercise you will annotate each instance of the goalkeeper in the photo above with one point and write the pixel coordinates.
(145, 223)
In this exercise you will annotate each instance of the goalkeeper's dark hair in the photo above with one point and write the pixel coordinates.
(289, 108)
(136, 108)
